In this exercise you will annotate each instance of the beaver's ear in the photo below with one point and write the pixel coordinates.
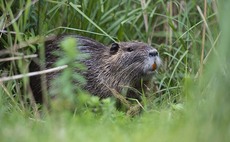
(114, 48)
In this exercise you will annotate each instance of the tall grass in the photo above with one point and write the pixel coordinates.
(189, 103)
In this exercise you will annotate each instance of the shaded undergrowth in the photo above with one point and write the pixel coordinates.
(189, 102)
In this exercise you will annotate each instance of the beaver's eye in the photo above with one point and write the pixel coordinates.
(129, 49)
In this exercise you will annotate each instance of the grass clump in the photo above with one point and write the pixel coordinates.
(190, 102)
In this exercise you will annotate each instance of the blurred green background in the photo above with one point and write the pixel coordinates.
(190, 102)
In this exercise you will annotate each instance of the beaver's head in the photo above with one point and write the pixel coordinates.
(134, 57)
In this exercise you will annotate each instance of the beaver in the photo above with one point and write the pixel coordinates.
(121, 66)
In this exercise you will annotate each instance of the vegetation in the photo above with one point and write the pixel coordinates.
(190, 102)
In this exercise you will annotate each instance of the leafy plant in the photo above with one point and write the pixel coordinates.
(189, 103)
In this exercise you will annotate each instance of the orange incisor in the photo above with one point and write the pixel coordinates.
(154, 66)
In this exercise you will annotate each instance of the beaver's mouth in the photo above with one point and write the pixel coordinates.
(152, 65)
(152, 68)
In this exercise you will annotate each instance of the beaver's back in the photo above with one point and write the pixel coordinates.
(84, 44)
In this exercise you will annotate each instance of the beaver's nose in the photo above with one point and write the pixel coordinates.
(153, 53)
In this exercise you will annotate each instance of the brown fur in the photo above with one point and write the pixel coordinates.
(107, 68)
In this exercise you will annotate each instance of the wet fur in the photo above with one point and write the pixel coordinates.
(106, 70)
